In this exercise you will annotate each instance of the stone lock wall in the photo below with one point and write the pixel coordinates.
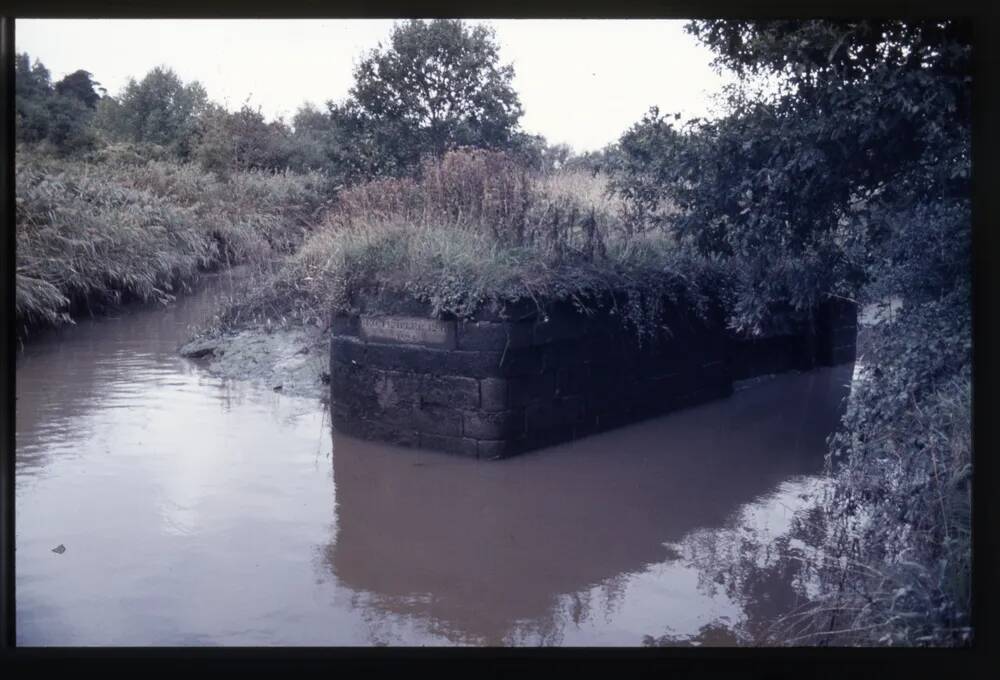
(829, 339)
(512, 380)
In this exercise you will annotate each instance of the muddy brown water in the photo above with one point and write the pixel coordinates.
(200, 511)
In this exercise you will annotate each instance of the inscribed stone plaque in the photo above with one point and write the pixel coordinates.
(409, 330)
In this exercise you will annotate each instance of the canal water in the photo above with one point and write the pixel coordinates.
(193, 510)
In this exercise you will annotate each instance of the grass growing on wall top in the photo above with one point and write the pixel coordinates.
(473, 229)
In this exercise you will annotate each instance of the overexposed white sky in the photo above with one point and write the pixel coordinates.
(581, 82)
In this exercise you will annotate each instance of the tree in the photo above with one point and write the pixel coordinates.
(54, 117)
(69, 128)
(161, 109)
(437, 86)
(80, 85)
(244, 140)
(313, 140)
(849, 174)
(641, 166)
(861, 116)
(32, 88)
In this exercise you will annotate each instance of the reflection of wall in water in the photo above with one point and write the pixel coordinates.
(481, 551)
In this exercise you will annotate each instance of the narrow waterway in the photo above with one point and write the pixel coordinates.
(198, 511)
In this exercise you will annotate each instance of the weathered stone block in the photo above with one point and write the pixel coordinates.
(493, 335)
(347, 350)
(344, 324)
(611, 419)
(567, 354)
(531, 389)
(433, 361)
(351, 383)
(843, 335)
(363, 428)
(493, 394)
(499, 425)
(560, 324)
(521, 362)
(563, 412)
(715, 373)
(450, 390)
(573, 380)
(395, 389)
(437, 420)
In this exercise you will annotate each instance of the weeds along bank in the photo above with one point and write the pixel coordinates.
(121, 226)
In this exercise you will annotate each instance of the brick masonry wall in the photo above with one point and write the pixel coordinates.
(512, 380)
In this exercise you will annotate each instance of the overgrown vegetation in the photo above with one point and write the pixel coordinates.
(474, 228)
(849, 175)
(129, 195)
(98, 233)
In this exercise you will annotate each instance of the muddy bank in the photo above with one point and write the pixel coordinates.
(292, 361)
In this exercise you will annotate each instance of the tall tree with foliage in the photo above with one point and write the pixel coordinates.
(81, 85)
(58, 118)
(438, 85)
(32, 88)
(850, 176)
(160, 109)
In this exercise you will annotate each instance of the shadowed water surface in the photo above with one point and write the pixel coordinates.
(196, 511)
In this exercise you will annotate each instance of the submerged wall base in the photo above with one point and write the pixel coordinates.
(514, 380)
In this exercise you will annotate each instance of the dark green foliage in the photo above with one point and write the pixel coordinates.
(640, 169)
(80, 85)
(437, 86)
(313, 143)
(32, 88)
(244, 140)
(604, 161)
(843, 168)
(58, 117)
(535, 152)
(160, 109)
(778, 185)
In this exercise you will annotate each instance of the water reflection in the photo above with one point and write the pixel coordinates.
(63, 374)
(200, 511)
(523, 550)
